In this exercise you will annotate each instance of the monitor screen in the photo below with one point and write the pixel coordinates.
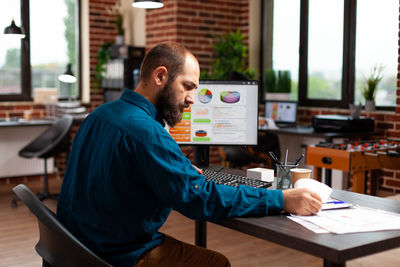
(281, 111)
(223, 113)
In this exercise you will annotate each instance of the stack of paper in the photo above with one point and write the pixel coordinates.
(350, 220)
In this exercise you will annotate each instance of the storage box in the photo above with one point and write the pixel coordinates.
(263, 174)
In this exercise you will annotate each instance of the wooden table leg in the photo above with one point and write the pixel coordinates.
(375, 174)
(318, 174)
(359, 182)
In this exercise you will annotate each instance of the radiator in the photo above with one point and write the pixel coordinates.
(12, 139)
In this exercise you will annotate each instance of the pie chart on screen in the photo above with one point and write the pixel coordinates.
(230, 97)
(204, 96)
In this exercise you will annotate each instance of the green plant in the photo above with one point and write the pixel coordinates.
(284, 81)
(277, 82)
(103, 55)
(119, 22)
(372, 81)
(230, 54)
(270, 81)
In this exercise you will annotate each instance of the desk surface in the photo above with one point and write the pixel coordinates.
(22, 122)
(332, 247)
(309, 131)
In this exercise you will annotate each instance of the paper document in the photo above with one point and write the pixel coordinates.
(353, 220)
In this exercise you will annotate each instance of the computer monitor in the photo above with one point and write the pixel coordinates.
(282, 112)
(223, 113)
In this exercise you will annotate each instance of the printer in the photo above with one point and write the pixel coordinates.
(342, 123)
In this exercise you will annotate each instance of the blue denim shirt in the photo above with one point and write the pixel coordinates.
(124, 176)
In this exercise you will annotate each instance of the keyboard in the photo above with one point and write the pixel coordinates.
(233, 180)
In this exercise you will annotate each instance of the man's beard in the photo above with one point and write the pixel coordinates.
(167, 105)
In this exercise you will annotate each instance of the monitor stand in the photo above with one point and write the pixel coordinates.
(201, 160)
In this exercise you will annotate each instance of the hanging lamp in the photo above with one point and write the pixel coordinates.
(147, 4)
(15, 30)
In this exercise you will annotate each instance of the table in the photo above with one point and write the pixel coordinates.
(309, 132)
(14, 135)
(334, 249)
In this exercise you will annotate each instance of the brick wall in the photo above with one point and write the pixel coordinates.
(195, 24)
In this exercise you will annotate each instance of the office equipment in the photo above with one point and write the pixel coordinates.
(356, 157)
(284, 113)
(263, 174)
(334, 249)
(341, 123)
(51, 142)
(223, 113)
(122, 70)
(57, 246)
(233, 180)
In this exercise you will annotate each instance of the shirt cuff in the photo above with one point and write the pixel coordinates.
(275, 202)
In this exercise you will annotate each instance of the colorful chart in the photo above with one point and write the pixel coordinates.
(204, 96)
(230, 96)
(201, 133)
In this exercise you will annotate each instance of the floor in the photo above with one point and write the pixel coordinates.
(19, 233)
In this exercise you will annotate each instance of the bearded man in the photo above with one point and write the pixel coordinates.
(125, 174)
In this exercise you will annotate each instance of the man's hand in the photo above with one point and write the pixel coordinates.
(200, 171)
(301, 201)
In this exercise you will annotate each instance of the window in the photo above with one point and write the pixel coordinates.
(51, 44)
(339, 43)
(377, 45)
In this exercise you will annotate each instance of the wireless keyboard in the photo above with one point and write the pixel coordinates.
(233, 180)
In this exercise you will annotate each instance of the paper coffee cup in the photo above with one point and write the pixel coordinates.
(298, 173)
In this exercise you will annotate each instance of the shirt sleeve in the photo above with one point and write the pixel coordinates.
(177, 183)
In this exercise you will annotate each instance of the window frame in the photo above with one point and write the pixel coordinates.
(348, 58)
(26, 68)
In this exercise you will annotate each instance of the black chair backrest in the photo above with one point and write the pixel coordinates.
(57, 246)
(52, 141)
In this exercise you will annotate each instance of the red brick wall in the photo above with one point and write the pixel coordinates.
(195, 24)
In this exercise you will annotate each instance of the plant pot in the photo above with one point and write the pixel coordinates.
(119, 40)
(369, 105)
(277, 96)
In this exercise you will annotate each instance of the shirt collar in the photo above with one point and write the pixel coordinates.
(143, 103)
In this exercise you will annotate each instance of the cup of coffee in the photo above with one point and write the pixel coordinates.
(299, 173)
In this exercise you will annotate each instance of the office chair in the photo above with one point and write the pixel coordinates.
(50, 143)
(56, 245)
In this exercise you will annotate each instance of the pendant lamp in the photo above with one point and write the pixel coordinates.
(68, 76)
(147, 4)
(15, 30)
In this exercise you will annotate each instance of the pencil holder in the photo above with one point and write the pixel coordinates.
(284, 179)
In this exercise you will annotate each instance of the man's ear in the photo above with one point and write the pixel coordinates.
(160, 75)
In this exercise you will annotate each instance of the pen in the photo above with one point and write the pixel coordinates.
(287, 150)
(274, 158)
(298, 160)
(335, 202)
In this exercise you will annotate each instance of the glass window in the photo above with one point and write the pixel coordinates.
(325, 49)
(53, 44)
(10, 50)
(377, 45)
(286, 27)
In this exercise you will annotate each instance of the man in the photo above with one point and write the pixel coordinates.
(125, 173)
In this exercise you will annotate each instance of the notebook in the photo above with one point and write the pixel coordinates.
(284, 113)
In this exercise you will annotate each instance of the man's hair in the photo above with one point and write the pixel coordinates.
(171, 55)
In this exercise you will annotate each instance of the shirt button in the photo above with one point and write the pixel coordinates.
(196, 186)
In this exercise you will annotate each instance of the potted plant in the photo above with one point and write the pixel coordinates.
(230, 53)
(371, 86)
(120, 29)
(277, 84)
